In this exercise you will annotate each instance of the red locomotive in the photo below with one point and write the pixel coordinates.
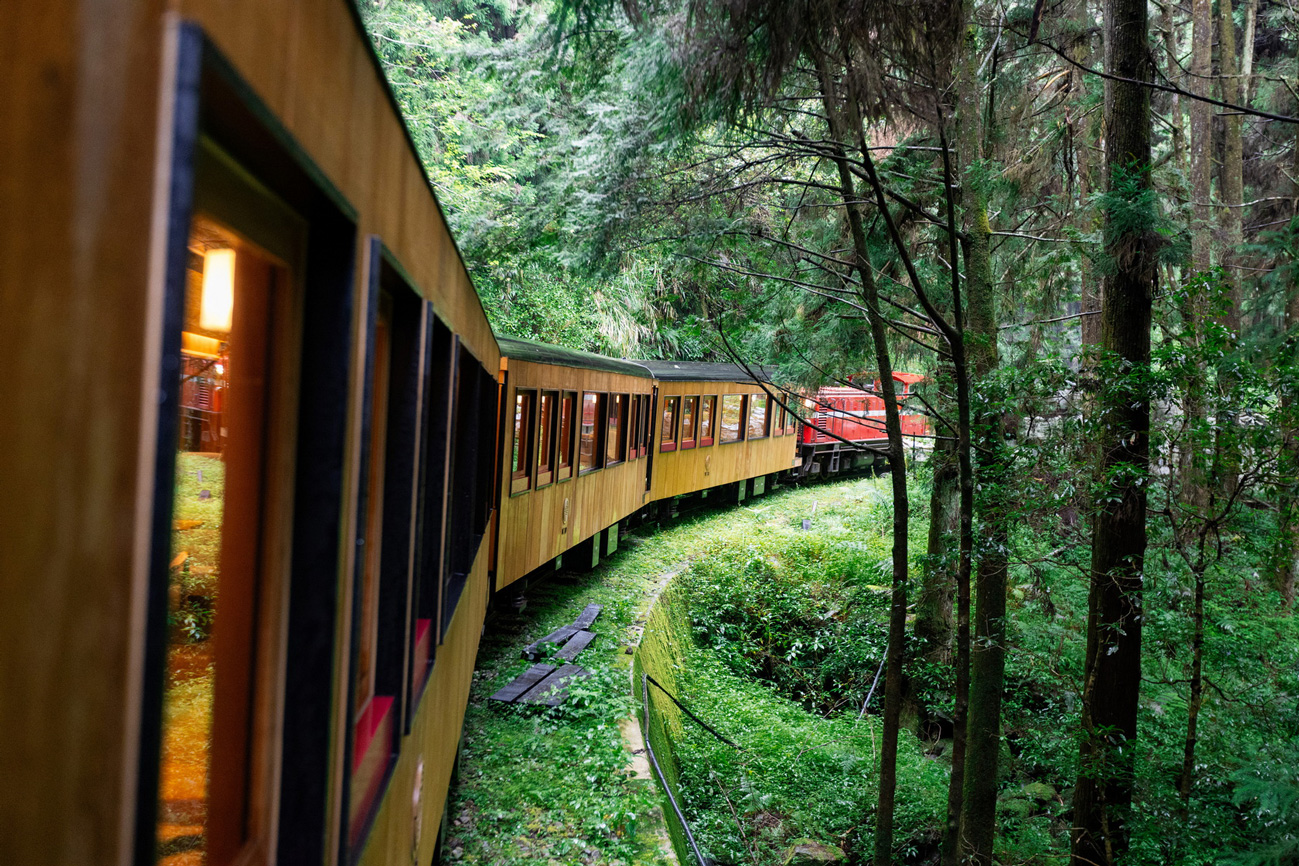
(845, 428)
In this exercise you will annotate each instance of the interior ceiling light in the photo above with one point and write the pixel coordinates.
(218, 290)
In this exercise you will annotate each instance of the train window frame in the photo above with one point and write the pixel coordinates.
(546, 432)
(616, 450)
(474, 413)
(522, 460)
(763, 428)
(689, 421)
(633, 421)
(645, 425)
(565, 445)
(709, 401)
(743, 415)
(671, 417)
(597, 432)
(437, 395)
(241, 794)
(791, 421)
(375, 738)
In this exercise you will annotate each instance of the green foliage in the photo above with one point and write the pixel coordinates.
(789, 627)
(1268, 790)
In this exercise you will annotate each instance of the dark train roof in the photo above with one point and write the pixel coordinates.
(705, 371)
(543, 353)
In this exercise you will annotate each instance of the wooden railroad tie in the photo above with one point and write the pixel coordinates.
(547, 684)
(585, 619)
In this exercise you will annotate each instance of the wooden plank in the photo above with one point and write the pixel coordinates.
(575, 645)
(558, 636)
(523, 683)
(587, 616)
(551, 691)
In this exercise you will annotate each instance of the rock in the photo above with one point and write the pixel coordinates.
(804, 852)
(1039, 791)
(1016, 807)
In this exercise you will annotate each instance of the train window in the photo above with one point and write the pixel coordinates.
(473, 433)
(435, 454)
(757, 416)
(646, 423)
(671, 407)
(633, 427)
(616, 433)
(564, 451)
(521, 460)
(732, 417)
(707, 420)
(589, 452)
(777, 420)
(546, 437)
(688, 416)
(227, 518)
(790, 421)
(372, 520)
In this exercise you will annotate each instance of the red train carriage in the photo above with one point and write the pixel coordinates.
(846, 429)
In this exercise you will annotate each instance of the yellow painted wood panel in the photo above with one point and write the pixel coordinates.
(532, 523)
(75, 344)
(307, 61)
(693, 469)
(434, 738)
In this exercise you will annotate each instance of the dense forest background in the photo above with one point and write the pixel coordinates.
(1078, 220)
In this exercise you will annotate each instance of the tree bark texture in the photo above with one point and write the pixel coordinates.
(1083, 129)
(978, 822)
(935, 617)
(1112, 677)
(1232, 186)
(1201, 132)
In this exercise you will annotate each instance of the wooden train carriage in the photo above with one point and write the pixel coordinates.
(223, 189)
(577, 437)
(716, 426)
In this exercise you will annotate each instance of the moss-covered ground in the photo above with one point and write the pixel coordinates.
(552, 786)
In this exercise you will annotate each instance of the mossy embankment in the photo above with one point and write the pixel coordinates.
(762, 623)
(773, 635)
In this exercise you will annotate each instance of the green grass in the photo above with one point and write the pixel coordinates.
(549, 786)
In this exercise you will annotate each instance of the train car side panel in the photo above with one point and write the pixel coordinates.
(687, 470)
(78, 418)
(542, 521)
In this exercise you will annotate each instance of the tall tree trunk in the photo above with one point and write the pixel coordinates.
(1190, 462)
(845, 130)
(1201, 131)
(1112, 678)
(1171, 69)
(1232, 186)
(978, 822)
(1247, 53)
(935, 618)
(1233, 196)
(988, 648)
(1085, 139)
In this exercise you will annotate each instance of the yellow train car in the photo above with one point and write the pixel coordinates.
(717, 426)
(577, 449)
(248, 444)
